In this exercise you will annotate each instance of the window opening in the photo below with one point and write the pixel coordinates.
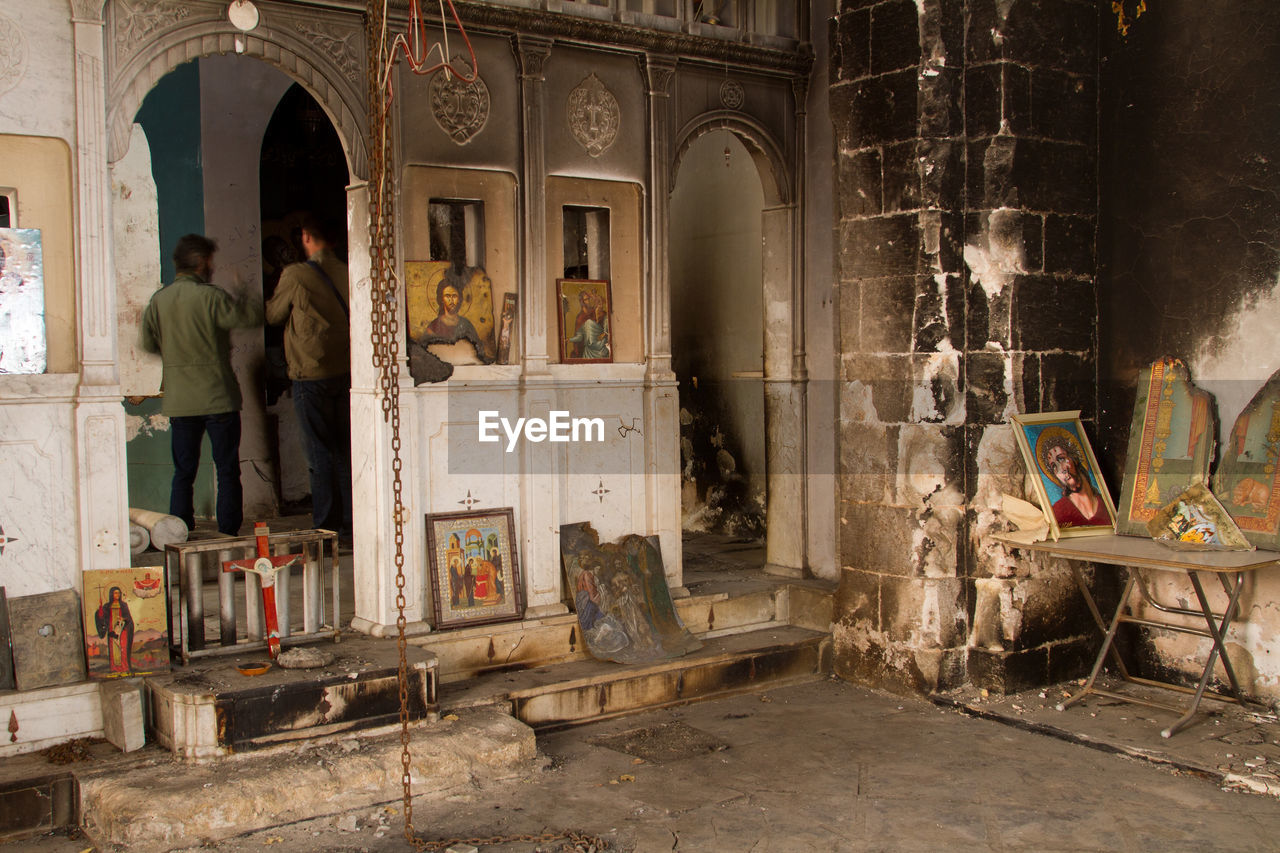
(457, 232)
(586, 242)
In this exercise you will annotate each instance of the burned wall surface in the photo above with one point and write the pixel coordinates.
(966, 204)
(1191, 207)
(1188, 255)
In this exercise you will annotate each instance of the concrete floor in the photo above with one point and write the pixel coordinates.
(819, 767)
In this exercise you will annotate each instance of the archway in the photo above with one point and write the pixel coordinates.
(303, 171)
(775, 380)
(717, 333)
(198, 143)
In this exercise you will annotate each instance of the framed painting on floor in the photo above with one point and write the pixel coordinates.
(474, 568)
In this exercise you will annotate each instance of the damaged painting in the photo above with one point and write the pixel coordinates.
(1171, 443)
(621, 597)
(448, 304)
(1247, 479)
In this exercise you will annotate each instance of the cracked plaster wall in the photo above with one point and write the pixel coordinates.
(966, 208)
(1189, 257)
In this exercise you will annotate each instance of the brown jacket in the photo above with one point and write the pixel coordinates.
(317, 339)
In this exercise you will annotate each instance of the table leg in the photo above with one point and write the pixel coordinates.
(1217, 631)
(1097, 614)
(1108, 640)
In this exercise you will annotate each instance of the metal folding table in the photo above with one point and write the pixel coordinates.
(1138, 554)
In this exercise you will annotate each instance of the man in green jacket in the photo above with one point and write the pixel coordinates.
(311, 298)
(189, 323)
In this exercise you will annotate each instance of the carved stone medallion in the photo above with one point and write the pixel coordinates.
(731, 94)
(13, 54)
(593, 115)
(460, 108)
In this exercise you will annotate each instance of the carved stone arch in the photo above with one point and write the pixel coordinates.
(775, 176)
(336, 88)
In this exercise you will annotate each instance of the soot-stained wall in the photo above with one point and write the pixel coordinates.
(1189, 252)
(1190, 221)
(966, 139)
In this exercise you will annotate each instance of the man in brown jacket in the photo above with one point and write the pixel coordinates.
(311, 298)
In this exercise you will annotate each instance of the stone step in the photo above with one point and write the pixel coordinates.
(713, 609)
(210, 707)
(164, 802)
(582, 691)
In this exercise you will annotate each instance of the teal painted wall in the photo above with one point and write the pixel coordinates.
(151, 462)
(170, 116)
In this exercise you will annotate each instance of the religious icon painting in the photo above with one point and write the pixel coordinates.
(506, 328)
(1247, 479)
(474, 567)
(126, 622)
(583, 313)
(621, 596)
(1171, 443)
(451, 305)
(1064, 474)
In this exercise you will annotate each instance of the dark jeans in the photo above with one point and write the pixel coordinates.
(323, 407)
(186, 435)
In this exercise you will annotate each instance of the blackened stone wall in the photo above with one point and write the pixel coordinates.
(967, 207)
(1191, 213)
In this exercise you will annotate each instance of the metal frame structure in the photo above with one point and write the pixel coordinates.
(185, 567)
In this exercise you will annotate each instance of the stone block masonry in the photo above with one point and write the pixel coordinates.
(966, 134)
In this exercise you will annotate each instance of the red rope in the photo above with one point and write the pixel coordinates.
(416, 50)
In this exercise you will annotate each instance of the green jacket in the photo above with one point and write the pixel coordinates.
(189, 323)
(317, 339)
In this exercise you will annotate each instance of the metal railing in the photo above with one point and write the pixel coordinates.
(196, 568)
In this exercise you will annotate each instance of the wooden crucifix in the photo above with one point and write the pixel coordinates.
(266, 566)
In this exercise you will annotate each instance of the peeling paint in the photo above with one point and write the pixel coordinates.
(1235, 364)
(1001, 254)
(144, 425)
(930, 400)
(933, 52)
(856, 403)
(1000, 472)
(997, 613)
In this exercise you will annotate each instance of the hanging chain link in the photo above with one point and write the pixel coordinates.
(385, 319)
(574, 842)
(385, 322)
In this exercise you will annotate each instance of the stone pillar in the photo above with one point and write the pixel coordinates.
(661, 399)
(786, 376)
(99, 416)
(373, 499)
(944, 201)
(1031, 84)
(539, 498)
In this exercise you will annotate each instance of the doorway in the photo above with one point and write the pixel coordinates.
(226, 146)
(717, 330)
(302, 170)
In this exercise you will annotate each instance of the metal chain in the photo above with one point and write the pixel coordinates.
(575, 842)
(385, 323)
(385, 318)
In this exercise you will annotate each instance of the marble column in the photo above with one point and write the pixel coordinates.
(99, 417)
(539, 496)
(786, 376)
(661, 399)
